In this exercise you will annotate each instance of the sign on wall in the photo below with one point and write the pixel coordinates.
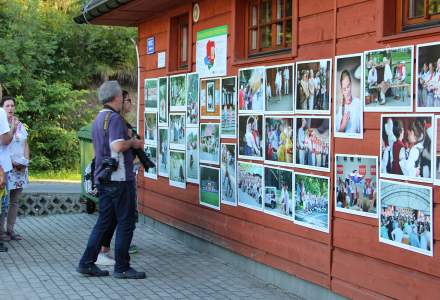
(212, 51)
(150, 45)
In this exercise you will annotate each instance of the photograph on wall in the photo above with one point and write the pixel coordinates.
(209, 152)
(279, 89)
(313, 86)
(212, 51)
(163, 101)
(250, 137)
(407, 147)
(209, 187)
(428, 78)
(279, 140)
(192, 154)
(210, 94)
(406, 216)
(356, 185)
(229, 107)
(164, 156)
(228, 174)
(178, 92)
(192, 100)
(151, 94)
(177, 131)
(311, 201)
(177, 169)
(250, 185)
(150, 137)
(437, 151)
(251, 88)
(278, 192)
(313, 143)
(348, 106)
(151, 152)
(388, 79)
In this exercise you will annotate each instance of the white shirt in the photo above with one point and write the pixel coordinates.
(372, 76)
(398, 235)
(5, 157)
(388, 75)
(355, 111)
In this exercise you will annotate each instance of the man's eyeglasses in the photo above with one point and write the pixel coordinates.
(127, 100)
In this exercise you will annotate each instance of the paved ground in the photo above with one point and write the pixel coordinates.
(42, 266)
(53, 187)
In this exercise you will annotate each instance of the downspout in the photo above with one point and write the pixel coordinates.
(138, 83)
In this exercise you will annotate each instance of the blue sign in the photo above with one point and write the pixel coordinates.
(150, 45)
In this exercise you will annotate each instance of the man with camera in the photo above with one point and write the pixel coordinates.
(115, 177)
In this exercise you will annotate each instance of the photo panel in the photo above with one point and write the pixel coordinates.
(251, 90)
(250, 185)
(428, 78)
(192, 100)
(228, 174)
(151, 94)
(388, 79)
(250, 137)
(279, 89)
(209, 152)
(228, 127)
(209, 188)
(406, 216)
(150, 137)
(177, 131)
(192, 154)
(178, 93)
(163, 101)
(210, 93)
(164, 155)
(177, 169)
(151, 152)
(278, 192)
(437, 151)
(279, 139)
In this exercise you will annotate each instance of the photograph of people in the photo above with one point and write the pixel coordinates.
(178, 92)
(428, 78)
(437, 151)
(279, 140)
(151, 152)
(177, 131)
(356, 184)
(192, 100)
(348, 108)
(311, 201)
(163, 101)
(407, 147)
(229, 107)
(177, 169)
(151, 94)
(250, 185)
(251, 89)
(313, 143)
(389, 82)
(163, 152)
(209, 187)
(228, 174)
(150, 128)
(279, 89)
(406, 216)
(313, 85)
(209, 143)
(278, 192)
(192, 154)
(210, 94)
(250, 137)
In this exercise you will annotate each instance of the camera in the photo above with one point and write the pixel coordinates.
(144, 159)
(109, 165)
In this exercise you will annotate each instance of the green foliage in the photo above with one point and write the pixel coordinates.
(314, 185)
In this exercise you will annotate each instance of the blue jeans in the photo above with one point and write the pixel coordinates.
(117, 204)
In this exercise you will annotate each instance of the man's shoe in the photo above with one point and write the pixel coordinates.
(92, 271)
(105, 260)
(3, 248)
(130, 274)
(133, 249)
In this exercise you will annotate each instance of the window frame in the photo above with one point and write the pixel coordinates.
(182, 22)
(404, 23)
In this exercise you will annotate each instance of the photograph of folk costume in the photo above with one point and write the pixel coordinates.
(389, 79)
(250, 185)
(251, 88)
(313, 85)
(163, 101)
(192, 100)
(313, 143)
(279, 89)
(228, 174)
(278, 192)
(177, 169)
(177, 131)
(229, 107)
(210, 94)
(150, 137)
(178, 93)
(348, 107)
(406, 216)
(428, 78)
(279, 139)
(250, 137)
(209, 187)
(164, 156)
(209, 151)
(407, 147)
(356, 184)
(151, 94)
(192, 154)
(437, 151)
(151, 152)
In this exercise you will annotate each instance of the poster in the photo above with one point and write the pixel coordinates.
(250, 185)
(428, 78)
(279, 89)
(178, 93)
(251, 89)
(278, 192)
(209, 152)
(150, 133)
(151, 152)
(211, 52)
(279, 138)
(177, 169)
(192, 154)
(228, 107)
(437, 151)
(209, 188)
(163, 101)
(164, 155)
(177, 131)
(228, 174)
(151, 94)
(192, 100)
(250, 137)
(210, 94)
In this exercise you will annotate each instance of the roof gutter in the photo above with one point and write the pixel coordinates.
(98, 9)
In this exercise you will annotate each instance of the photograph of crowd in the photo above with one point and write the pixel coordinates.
(178, 92)
(229, 107)
(348, 106)
(279, 140)
(251, 89)
(151, 152)
(407, 147)
(428, 77)
(313, 143)
(192, 154)
(192, 100)
(279, 89)
(250, 185)
(164, 155)
(177, 169)
(437, 151)
(406, 216)
(250, 137)
(311, 201)
(228, 174)
(163, 101)
(209, 143)
(209, 187)
(151, 94)
(389, 79)
(210, 94)
(278, 192)
(313, 85)
(356, 184)
(150, 137)
(177, 131)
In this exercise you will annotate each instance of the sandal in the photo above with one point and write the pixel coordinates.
(14, 236)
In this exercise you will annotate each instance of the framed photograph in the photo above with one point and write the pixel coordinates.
(178, 92)
(279, 138)
(251, 89)
(311, 201)
(389, 79)
(406, 147)
(164, 155)
(210, 94)
(437, 151)
(250, 137)
(228, 174)
(279, 89)
(151, 94)
(192, 100)
(163, 101)
(209, 188)
(250, 185)
(313, 143)
(228, 127)
(406, 216)
(428, 78)
(313, 86)
(278, 192)
(151, 152)
(192, 154)
(356, 185)
(348, 106)
(209, 143)
(150, 137)
(177, 131)
(177, 169)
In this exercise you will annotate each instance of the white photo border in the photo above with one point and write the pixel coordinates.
(168, 100)
(202, 117)
(262, 140)
(236, 173)
(246, 111)
(209, 162)
(173, 146)
(229, 136)
(293, 90)
(181, 185)
(176, 108)
(262, 186)
(423, 109)
(198, 100)
(276, 163)
(168, 152)
(152, 175)
(291, 198)
(218, 183)
(188, 179)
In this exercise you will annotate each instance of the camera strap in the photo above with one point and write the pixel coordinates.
(106, 137)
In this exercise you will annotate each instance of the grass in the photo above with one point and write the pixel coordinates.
(210, 198)
(62, 175)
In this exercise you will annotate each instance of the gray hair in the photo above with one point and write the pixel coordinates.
(108, 91)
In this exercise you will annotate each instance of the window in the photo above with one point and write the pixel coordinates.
(416, 14)
(179, 56)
